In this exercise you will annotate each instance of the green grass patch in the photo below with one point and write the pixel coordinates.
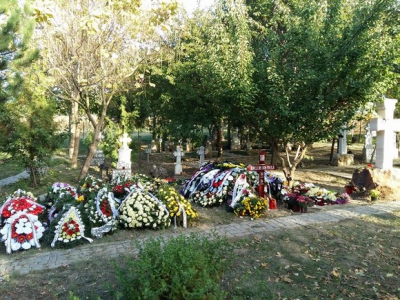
(9, 167)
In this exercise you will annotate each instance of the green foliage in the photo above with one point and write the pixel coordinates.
(317, 64)
(16, 28)
(185, 267)
(29, 133)
(110, 144)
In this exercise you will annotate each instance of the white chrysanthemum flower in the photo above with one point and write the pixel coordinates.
(26, 245)
(15, 246)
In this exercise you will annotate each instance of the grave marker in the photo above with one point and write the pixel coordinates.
(385, 126)
(148, 151)
(260, 169)
(124, 164)
(178, 154)
(201, 152)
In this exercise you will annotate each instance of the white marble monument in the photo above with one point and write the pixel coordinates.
(385, 126)
(124, 164)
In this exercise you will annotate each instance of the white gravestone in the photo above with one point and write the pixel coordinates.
(124, 164)
(178, 154)
(342, 147)
(385, 126)
(201, 152)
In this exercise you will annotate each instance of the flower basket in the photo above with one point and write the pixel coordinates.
(251, 206)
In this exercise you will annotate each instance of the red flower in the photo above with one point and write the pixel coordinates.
(21, 238)
(6, 213)
(105, 208)
(29, 236)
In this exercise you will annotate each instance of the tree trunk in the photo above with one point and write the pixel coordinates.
(289, 167)
(229, 136)
(332, 149)
(32, 176)
(219, 140)
(74, 161)
(73, 125)
(93, 147)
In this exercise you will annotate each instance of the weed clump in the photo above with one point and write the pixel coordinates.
(184, 267)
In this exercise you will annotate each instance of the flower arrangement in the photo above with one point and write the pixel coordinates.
(60, 197)
(205, 198)
(103, 210)
(122, 188)
(70, 228)
(23, 204)
(304, 201)
(350, 188)
(251, 206)
(374, 194)
(88, 187)
(177, 205)
(141, 209)
(342, 198)
(22, 231)
(330, 197)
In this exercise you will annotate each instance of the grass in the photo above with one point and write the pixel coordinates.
(59, 170)
(9, 167)
(353, 259)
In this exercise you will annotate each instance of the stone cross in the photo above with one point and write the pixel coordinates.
(125, 139)
(148, 151)
(178, 154)
(385, 126)
(201, 152)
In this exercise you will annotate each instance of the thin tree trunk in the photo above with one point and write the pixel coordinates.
(73, 125)
(219, 140)
(93, 147)
(332, 149)
(32, 175)
(289, 167)
(77, 136)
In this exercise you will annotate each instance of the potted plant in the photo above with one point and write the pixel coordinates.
(374, 194)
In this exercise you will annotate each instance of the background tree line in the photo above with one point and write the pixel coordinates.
(292, 71)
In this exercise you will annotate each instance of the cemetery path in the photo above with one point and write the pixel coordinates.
(15, 178)
(27, 262)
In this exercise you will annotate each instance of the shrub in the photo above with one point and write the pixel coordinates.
(184, 267)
